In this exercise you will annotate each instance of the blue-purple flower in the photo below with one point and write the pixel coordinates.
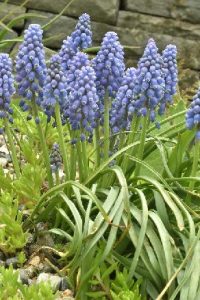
(31, 66)
(193, 114)
(6, 86)
(79, 60)
(109, 65)
(122, 109)
(80, 38)
(83, 101)
(55, 88)
(170, 75)
(67, 52)
(150, 83)
(82, 35)
(55, 158)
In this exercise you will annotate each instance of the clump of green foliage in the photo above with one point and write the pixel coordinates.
(11, 287)
(12, 236)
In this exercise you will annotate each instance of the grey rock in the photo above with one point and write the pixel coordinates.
(151, 7)
(159, 25)
(177, 9)
(7, 46)
(55, 281)
(63, 284)
(23, 275)
(99, 10)
(12, 261)
(2, 256)
(2, 263)
(10, 11)
(3, 162)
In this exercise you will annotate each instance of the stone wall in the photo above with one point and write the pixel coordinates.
(135, 21)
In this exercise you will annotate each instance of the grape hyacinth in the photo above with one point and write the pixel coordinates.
(55, 158)
(31, 66)
(6, 87)
(83, 101)
(75, 65)
(55, 88)
(67, 52)
(170, 75)
(150, 83)
(80, 39)
(82, 36)
(109, 65)
(193, 115)
(123, 106)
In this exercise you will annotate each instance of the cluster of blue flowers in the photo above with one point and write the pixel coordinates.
(109, 66)
(55, 158)
(80, 85)
(170, 76)
(55, 88)
(6, 87)
(123, 105)
(193, 114)
(80, 39)
(83, 101)
(31, 67)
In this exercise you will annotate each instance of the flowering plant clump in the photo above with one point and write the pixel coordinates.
(92, 165)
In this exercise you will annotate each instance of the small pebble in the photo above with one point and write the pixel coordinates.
(12, 261)
(23, 274)
(55, 281)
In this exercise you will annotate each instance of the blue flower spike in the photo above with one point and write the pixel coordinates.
(83, 101)
(109, 65)
(31, 66)
(6, 87)
(82, 36)
(169, 55)
(122, 109)
(193, 115)
(150, 83)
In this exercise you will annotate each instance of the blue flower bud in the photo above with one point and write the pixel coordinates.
(55, 158)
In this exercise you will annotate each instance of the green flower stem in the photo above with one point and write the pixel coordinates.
(12, 149)
(80, 162)
(85, 160)
(61, 141)
(43, 146)
(106, 127)
(194, 168)
(145, 122)
(131, 139)
(73, 162)
(97, 146)
(57, 177)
